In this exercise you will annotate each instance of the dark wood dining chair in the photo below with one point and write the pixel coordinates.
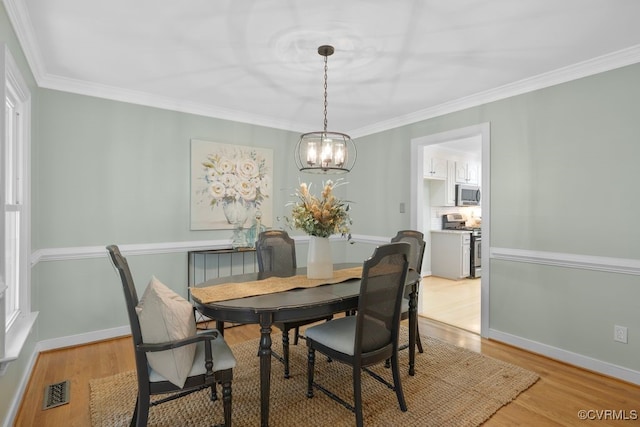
(276, 252)
(416, 240)
(212, 364)
(371, 335)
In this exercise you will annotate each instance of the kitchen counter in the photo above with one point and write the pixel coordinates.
(451, 253)
(451, 231)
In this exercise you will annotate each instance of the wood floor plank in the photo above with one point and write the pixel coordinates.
(454, 302)
(554, 400)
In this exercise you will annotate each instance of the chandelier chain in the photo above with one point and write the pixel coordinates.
(325, 92)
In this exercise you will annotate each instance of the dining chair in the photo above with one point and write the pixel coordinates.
(416, 240)
(371, 335)
(276, 253)
(200, 359)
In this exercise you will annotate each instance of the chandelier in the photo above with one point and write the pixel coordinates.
(323, 151)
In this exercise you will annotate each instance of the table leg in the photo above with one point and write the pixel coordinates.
(265, 369)
(413, 328)
(220, 327)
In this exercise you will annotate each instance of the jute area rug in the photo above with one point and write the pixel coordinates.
(452, 387)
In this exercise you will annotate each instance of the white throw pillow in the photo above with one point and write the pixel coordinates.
(166, 316)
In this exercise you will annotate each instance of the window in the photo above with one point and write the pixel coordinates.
(15, 304)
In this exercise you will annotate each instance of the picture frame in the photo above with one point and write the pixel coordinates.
(230, 184)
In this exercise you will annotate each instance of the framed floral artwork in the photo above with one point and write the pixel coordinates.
(230, 184)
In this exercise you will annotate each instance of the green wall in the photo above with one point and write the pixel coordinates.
(108, 172)
(563, 167)
(120, 172)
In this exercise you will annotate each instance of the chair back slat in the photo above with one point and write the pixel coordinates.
(131, 298)
(416, 240)
(276, 251)
(381, 291)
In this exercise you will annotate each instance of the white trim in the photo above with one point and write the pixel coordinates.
(587, 68)
(19, 17)
(156, 101)
(569, 260)
(15, 87)
(526, 344)
(87, 252)
(85, 338)
(16, 337)
(482, 130)
(569, 357)
(371, 240)
(584, 262)
(594, 66)
(23, 27)
(555, 353)
(19, 392)
(52, 344)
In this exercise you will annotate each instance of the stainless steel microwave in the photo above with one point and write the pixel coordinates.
(467, 195)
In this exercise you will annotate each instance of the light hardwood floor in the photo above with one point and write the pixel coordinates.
(555, 400)
(454, 302)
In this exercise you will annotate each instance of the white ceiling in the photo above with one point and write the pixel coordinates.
(396, 62)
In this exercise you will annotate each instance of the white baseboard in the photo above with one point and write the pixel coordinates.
(569, 357)
(80, 339)
(19, 393)
(53, 344)
(565, 356)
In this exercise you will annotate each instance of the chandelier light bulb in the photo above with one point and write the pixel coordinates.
(339, 154)
(312, 153)
(327, 152)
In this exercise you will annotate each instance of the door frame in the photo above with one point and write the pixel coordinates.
(482, 130)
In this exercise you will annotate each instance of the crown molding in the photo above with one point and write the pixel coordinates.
(114, 93)
(587, 68)
(19, 17)
(23, 27)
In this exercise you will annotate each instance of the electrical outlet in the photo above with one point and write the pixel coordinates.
(620, 333)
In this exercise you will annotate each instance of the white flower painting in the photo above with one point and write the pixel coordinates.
(229, 184)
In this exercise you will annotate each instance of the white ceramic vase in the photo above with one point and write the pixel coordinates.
(319, 261)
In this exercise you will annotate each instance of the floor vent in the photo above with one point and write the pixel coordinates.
(56, 395)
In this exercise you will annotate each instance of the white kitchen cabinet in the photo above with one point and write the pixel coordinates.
(443, 192)
(451, 254)
(467, 173)
(435, 167)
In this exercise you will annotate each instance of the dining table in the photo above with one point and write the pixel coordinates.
(237, 302)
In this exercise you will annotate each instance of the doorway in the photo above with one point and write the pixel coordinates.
(418, 220)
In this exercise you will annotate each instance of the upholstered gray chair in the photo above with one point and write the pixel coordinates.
(276, 253)
(212, 364)
(370, 336)
(416, 240)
